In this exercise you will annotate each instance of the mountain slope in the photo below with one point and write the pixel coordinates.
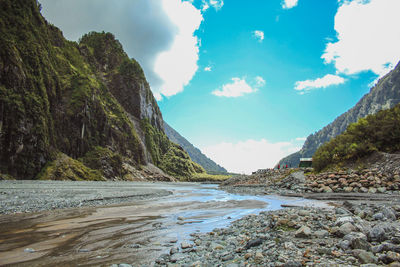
(384, 95)
(377, 132)
(87, 101)
(195, 154)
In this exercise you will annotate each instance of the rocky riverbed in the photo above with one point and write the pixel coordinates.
(33, 196)
(351, 234)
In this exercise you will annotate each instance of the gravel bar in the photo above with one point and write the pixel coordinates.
(33, 196)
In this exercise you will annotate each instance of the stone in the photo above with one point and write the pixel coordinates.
(30, 250)
(378, 216)
(389, 213)
(303, 232)
(177, 257)
(348, 189)
(173, 250)
(377, 233)
(382, 189)
(258, 257)
(344, 244)
(372, 190)
(364, 256)
(124, 265)
(292, 264)
(185, 245)
(390, 257)
(321, 233)
(345, 229)
(342, 220)
(304, 213)
(180, 218)
(254, 243)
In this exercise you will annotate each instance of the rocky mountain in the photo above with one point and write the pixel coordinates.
(195, 154)
(384, 95)
(71, 109)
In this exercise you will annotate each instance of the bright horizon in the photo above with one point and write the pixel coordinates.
(247, 82)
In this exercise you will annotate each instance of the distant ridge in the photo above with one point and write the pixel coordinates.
(195, 154)
(384, 95)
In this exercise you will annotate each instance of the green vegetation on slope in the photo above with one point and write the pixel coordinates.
(385, 94)
(79, 100)
(195, 154)
(67, 169)
(378, 132)
(170, 157)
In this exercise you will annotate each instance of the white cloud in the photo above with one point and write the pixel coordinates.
(208, 68)
(289, 3)
(302, 139)
(250, 155)
(216, 4)
(368, 35)
(177, 65)
(259, 35)
(239, 87)
(323, 82)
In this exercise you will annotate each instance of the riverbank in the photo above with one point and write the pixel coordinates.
(351, 234)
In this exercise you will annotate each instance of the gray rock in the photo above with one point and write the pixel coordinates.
(344, 244)
(321, 233)
(292, 264)
(30, 250)
(124, 265)
(377, 233)
(345, 229)
(378, 216)
(303, 232)
(173, 250)
(342, 220)
(389, 213)
(364, 256)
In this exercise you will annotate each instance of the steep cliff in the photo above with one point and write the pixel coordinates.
(59, 98)
(195, 154)
(384, 95)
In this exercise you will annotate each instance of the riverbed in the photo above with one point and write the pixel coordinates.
(100, 223)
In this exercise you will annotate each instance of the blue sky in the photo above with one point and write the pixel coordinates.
(246, 81)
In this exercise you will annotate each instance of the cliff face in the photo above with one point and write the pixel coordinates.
(384, 95)
(64, 98)
(194, 153)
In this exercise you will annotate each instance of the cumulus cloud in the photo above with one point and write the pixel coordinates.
(259, 35)
(368, 36)
(177, 66)
(327, 80)
(159, 34)
(239, 87)
(249, 155)
(208, 68)
(286, 4)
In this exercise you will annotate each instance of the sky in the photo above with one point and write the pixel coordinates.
(247, 81)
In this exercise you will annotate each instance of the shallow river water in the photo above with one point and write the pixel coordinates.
(135, 233)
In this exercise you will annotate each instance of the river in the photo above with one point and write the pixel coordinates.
(134, 233)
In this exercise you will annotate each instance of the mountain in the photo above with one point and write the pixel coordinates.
(194, 153)
(384, 95)
(378, 132)
(77, 110)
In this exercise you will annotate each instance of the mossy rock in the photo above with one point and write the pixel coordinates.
(110, 164)
(68, 169)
